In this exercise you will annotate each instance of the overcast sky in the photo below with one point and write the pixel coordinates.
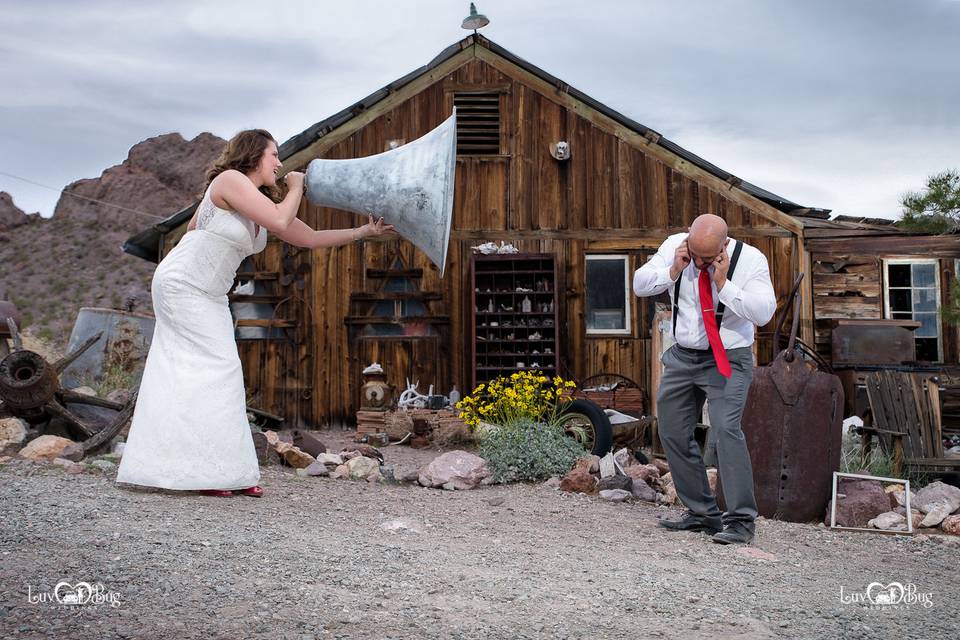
(839, 104)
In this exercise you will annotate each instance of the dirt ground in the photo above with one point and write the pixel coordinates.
(320, 558)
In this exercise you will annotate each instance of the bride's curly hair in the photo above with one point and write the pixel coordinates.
(243, 153)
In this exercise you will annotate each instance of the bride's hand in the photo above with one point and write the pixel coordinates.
(378, 229)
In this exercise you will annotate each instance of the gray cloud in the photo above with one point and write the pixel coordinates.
(841, 105)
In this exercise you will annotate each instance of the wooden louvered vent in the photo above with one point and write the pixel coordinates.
(478, 123)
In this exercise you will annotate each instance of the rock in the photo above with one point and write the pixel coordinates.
(10, 214)
(376, 477)
(553, 483)
(68, 464)
(330, 459)
(361, 467)
(462, 468)
(642, 491)
(578, 481)
(45, 447)
(935, 516)
(590, 464)
(362, 450)
(75, 452)
(607, 466)
(937, 500)
(649, 473)
(119, 395)
(408, 475)
(5, 459)
(266, 454)
(858, 502)
(496, 502)
(104, 465)
(625, 458)
(272, 437)
(388, 473)
(889, 521)
(899, 497)
(118, 448)
(87, 391)
(302, 473)
(295, 457)
(343, 471)
(317, 468)
(623, 483)
(308, 442)
(616, 495)
(662, 465)
(951, 525)
(13, 431)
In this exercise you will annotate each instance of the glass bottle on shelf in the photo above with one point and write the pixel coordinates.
(526, 305)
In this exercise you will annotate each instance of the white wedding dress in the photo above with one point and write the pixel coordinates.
(189, 428)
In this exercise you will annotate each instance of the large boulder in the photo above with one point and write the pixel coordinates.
(459, 469)
(46, 447)
(937, 500)
(858, 502)
(623, 483)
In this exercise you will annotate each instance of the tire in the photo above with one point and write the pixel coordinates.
(584, 413)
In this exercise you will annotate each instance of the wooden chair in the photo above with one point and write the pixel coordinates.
(905, 410)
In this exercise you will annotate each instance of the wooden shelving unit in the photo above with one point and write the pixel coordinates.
(504, 337)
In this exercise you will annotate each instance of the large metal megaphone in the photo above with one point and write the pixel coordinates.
(410, 186)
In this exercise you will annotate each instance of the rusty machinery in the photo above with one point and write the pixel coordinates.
(30, 390)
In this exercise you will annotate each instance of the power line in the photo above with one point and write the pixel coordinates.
(76, 195)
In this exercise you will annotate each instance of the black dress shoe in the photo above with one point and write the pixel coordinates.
(734, 533)
(691, 522)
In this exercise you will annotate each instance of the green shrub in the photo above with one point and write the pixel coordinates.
(528, 450)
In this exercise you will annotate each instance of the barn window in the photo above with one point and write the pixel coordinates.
(607, 292)
(912, 291)
(478, 123)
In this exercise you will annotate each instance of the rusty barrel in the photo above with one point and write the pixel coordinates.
(120, 352)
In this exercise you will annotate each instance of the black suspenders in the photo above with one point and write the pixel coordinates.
(720, 307)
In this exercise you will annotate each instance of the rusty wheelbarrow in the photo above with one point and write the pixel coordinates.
(793, 424)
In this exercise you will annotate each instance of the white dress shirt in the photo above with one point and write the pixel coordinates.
(748, 295)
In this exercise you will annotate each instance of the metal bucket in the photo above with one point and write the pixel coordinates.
(793, 425)
(118, 356)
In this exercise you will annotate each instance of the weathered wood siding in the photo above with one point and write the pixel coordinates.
(613, 195)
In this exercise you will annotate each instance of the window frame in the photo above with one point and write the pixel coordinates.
(627, 331)
(888, 314)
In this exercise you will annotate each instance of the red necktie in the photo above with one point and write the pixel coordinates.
(710, 324)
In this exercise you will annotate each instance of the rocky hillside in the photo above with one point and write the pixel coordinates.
(10, 214)
(52, 267)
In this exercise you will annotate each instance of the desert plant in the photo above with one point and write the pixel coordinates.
(526, 395)
(527, 450)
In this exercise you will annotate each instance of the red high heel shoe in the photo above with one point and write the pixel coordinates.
(221, 493)
(256, 492)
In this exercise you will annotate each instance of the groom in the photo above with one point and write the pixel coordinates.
(721, 289)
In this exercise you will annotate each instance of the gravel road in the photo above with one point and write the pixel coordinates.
(321, 558)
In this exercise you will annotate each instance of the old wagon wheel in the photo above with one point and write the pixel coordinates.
(585, 422)
(30, 390)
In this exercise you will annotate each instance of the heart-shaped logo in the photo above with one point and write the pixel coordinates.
(67, 593)
(885, 595)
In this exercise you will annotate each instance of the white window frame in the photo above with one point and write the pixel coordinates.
(936, 279)
(627, 290)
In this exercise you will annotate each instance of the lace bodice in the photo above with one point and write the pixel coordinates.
(230, 225)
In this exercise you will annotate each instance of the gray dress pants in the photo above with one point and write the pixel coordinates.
(689, 376)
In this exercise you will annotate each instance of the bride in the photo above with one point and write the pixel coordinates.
(189, 428)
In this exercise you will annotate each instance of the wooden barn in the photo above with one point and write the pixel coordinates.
(310, 321)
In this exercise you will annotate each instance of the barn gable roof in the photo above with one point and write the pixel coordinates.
(145, 244)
